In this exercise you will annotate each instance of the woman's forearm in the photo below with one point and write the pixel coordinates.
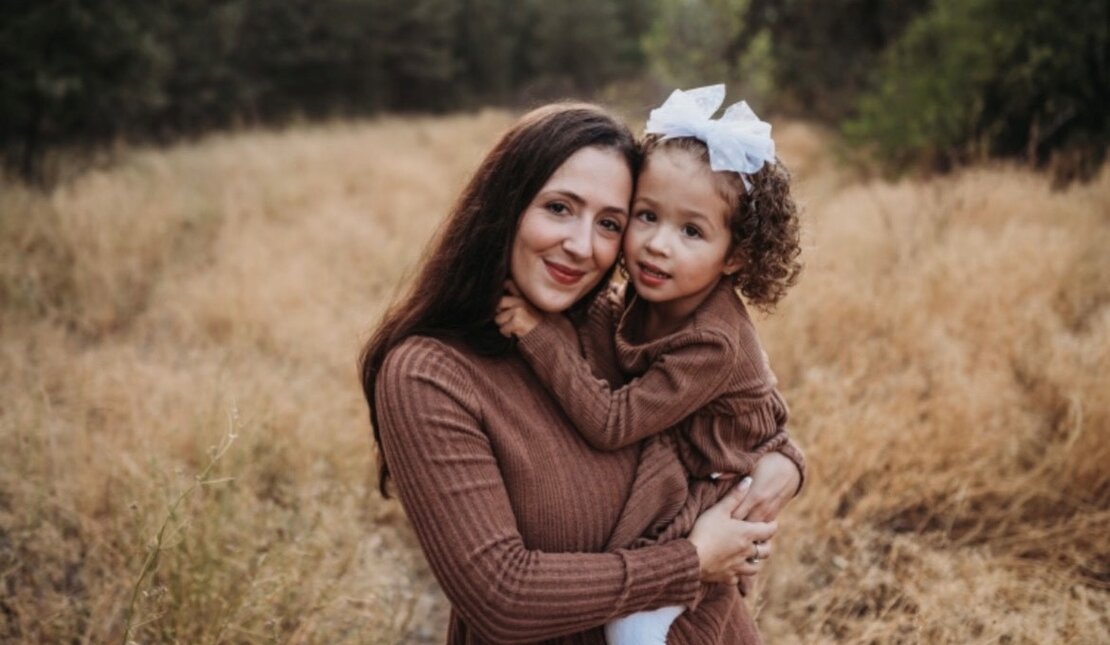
(793, 452)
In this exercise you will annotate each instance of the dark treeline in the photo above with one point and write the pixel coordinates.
(79, 72)
(921, 81)
(976, 79)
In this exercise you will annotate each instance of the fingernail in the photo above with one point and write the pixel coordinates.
(747, 481)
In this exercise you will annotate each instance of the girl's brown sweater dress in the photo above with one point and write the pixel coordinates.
(514, 509)
(708, 384)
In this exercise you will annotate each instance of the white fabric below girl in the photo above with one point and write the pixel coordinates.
(642, 628)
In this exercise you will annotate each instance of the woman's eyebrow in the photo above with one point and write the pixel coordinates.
(577, 199)
(573, 196)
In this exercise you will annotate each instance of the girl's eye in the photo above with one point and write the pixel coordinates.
(691, 231)
(646, 216)
(559, 208)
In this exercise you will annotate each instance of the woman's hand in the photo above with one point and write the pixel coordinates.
(775, 481)
(515, 315)
(729, 548)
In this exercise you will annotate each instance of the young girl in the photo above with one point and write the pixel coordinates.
(712, 214)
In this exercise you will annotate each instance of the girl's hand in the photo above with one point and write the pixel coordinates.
(729, 548)
(515, 315)
(775, 481)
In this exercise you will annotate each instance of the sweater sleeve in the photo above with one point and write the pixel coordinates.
(773, 417)
(679, 382)
(450, 484)
(782, 442)
(717, 442)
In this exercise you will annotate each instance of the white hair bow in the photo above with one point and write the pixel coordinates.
(738, 141)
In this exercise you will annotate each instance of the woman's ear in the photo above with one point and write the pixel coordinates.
(733, 262)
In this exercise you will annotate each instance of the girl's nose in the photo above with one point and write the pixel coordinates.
(657, 243)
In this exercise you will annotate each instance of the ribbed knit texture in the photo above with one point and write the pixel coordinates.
(708, 385)
(513, 508)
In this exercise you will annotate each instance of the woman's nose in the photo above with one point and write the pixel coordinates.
(577, 243)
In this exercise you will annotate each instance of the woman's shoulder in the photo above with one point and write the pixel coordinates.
(425, 358)
(421, 369)
(419, 347)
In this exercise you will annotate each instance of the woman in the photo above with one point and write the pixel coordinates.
(510, 506)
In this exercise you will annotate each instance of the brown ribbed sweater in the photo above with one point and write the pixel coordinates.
(709, 384)
(513, 508)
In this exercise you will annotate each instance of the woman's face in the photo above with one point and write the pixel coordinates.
(569, 235)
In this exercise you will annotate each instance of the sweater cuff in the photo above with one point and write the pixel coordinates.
(672, 569)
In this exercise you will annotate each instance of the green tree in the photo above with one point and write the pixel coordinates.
(573, 45)
(978, 78)
(79, 74)
(202, 85)
(824, 51)
(485, 49)
(691, 42)
(420, 56)
(74, 71)
(697, 42)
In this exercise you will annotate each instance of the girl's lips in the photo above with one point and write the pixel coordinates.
(563, 274)
(651, 275)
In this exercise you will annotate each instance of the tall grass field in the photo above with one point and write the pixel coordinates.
(185, 454)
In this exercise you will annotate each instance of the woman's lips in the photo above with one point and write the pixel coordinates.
(652, 275)
(563, 274)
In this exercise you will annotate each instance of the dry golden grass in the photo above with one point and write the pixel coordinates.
(945, 358)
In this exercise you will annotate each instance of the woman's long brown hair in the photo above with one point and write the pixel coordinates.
(460, 280)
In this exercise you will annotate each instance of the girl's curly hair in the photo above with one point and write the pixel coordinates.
(764, 223)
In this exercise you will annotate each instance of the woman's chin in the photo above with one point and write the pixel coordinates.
(552, 305)
(554, 301)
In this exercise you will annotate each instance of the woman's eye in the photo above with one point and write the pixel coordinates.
(611, 224)
(691, 231)
(559, 208)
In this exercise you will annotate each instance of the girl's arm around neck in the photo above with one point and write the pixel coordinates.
(679, 382)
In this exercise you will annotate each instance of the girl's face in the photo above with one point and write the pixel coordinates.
(678, 242)
(569, 235)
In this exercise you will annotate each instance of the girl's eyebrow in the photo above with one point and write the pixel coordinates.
(692, 214)
(685, 212)
(643, 198)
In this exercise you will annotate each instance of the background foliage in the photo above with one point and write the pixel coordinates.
(982, 78)
(926, 83)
